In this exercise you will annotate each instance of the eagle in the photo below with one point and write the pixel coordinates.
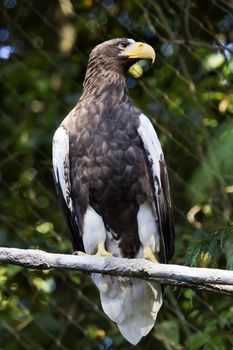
(112, 183)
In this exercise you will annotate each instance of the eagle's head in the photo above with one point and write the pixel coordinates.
(121, 53)
(108, 63)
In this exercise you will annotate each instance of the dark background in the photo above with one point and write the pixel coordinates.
(44, 48)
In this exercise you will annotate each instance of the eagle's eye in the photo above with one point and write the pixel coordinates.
(122, 46)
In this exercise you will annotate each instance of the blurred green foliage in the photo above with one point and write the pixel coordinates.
(44, 48)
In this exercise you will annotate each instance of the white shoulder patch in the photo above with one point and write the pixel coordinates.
(61, 164)
(152, 146)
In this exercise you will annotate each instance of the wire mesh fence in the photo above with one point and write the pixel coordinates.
(44, 48)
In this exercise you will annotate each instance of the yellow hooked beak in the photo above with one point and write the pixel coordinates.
(139, 50)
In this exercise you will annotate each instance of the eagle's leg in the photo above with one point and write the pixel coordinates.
(101, 251)
(148, 232)
(148, 254)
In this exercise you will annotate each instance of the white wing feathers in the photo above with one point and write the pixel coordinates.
(152, 146)
(61, 163)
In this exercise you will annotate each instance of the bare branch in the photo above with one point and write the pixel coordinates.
(215, 280)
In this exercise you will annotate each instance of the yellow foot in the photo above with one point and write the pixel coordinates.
(101, 251)
(148, 254)
(78, 252)
(82, 253)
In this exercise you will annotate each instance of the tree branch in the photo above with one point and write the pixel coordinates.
(214, 280)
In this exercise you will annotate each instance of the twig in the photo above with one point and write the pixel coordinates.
(214, 280)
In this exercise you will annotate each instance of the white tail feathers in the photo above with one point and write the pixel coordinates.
(132, 303)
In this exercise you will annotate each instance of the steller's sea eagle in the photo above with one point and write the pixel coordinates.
(112, 183)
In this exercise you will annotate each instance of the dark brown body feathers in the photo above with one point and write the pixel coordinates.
(108, 168)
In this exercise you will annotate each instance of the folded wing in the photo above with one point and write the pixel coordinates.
(61, 173)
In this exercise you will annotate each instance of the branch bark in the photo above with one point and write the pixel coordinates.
(214, 280)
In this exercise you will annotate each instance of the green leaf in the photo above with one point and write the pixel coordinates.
(217, 162)
(170, 330)
(197, 340)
